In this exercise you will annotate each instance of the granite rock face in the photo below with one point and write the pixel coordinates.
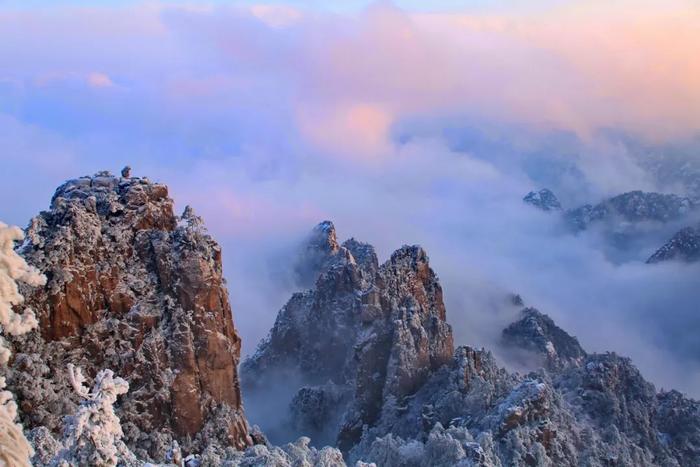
(363, 335)
(683, 246)
(135, 288)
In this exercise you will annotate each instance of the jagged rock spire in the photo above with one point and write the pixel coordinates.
(537, 337)
(134, 289)
(363, 334)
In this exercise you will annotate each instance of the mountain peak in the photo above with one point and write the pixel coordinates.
(134, 288)
(543, 199)
(538, 336)
(684, 245)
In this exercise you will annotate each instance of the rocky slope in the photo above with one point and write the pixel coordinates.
(370, 360)
(135, 288)
(631, 207)
(583, 410)
(684, 246)
(536, 340)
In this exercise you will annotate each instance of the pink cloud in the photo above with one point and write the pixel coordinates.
(352, 130)
(579, 68)
(99, 80)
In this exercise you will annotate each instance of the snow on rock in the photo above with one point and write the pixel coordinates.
(370, 362)
(93, 436)
(132, 287)
(631, 207)
(535, 339)
(543, 199)
(683, 246)
(364, 334)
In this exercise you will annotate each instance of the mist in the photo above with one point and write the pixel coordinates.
(266, 130)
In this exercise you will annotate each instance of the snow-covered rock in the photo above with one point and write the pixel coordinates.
(543, 199)
(365, 333)
(135, 288)
(683, 246)
(356, 351)
(535, 339)
(631, 207)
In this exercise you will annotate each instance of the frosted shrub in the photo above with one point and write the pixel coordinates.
(15, 450)
(93, 435)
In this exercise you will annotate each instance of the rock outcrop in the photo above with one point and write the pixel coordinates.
(683, 246)
(535, 339)
(135, 288)
(631, 207)
(543, 199)
(365, 334)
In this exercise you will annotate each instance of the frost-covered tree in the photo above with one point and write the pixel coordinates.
(15, 450)
(93, 436)
(14, 269)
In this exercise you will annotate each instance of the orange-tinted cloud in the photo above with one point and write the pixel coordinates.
(624, 65)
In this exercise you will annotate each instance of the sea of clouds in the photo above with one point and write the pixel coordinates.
(401, 127)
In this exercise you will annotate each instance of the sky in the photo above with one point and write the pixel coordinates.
(401, 123)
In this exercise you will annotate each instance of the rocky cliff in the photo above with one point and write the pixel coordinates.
(364, 335)
(135, 288)
(536, 340)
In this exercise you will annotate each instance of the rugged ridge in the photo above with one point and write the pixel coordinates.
(363, 335)
(543, 199)
(135, 288)
(372, 366)
(535, 337)
(632, 207)
(595, 409)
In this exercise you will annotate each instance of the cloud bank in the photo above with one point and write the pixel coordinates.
(402, 127)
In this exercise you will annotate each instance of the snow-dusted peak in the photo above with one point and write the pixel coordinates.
(631, 207)
(683, 246)
(133, 287)
(323, 238)
(540, 338)
(543, 199)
